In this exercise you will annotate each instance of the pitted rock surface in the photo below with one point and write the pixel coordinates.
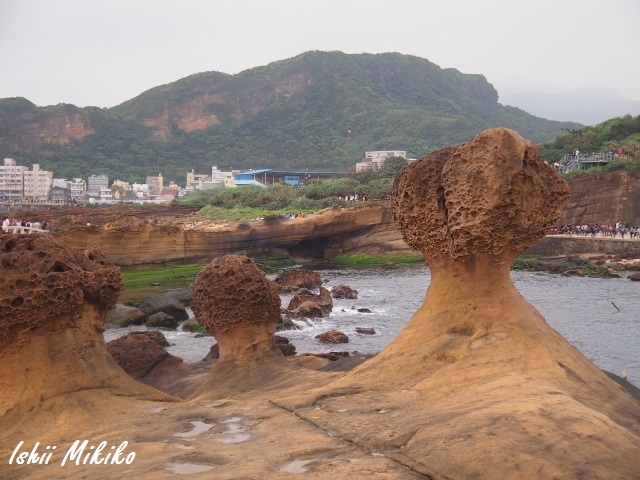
(43, 279)
(136, 353)
(323, 301)
(485, 196)
(299, 277)
(232, 290)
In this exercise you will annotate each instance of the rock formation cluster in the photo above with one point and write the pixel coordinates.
(477, 384)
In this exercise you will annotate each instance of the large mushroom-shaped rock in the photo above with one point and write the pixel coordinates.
(477, 372)
(240, 307)
(52, 311)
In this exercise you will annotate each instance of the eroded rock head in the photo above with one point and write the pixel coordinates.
(232, 290)
(52, 310)
(489, 195)
(240, 307)
(43, 280)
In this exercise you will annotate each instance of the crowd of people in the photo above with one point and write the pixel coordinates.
(14, 225)
(621, 229)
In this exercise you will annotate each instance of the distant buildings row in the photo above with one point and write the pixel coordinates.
(19, 184)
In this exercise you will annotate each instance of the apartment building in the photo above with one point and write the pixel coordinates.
(17, 182)
(95, 182)
(378, 157)
(37, 183)
(12, 180)
(156, 184)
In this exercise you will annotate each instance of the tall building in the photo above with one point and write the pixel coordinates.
(95, 182)
(37, 183)
(12, 180)
(18, 182)
(78, 189)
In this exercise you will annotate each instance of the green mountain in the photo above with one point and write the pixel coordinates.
(317, 111)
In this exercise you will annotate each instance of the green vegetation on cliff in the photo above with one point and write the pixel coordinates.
(617, 133)
(318, 111)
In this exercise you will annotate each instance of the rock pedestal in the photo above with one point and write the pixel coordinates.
(53, 306)
(240, 307)
(498, 386)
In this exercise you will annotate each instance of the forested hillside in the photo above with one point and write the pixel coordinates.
(317, 111)
(616, 133)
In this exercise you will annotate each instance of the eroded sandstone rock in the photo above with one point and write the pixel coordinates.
(332, 336)
(124, 315)
(138, 353)
(486, 367)
(323, 301)
(240, 307)
(300, 278)
(52, 310)
(344, 292)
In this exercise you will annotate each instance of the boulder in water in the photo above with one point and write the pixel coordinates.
(344, 292)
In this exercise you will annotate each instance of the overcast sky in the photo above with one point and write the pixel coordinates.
(104, 52)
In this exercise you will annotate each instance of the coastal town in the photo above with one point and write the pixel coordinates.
(19, 184)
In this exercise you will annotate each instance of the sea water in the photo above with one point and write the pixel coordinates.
(601, 317)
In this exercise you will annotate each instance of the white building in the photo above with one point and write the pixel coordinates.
(37, 183)
(378, 157)
(18, 182)
(78, 189)
(141, 190)
(12, 180)
(105, 195)
(61, 182)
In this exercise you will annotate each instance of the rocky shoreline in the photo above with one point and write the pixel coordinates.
(476, 385)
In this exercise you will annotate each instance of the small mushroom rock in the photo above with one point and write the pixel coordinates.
(240, 307)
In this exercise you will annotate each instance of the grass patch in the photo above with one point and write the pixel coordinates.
(237, 213)
(161, 275)
(364, 259)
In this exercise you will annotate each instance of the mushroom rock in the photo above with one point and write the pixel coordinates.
(477, 372)
(240, 307)
(52, 310)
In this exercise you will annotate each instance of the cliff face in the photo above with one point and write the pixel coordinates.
(28, 127)
(604, 197)
(135, 240)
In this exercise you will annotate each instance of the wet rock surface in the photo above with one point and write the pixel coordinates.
(304, 302)
(344, 292)
(299, 278)
(124, 315)
(332, 336)
(165, 303)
